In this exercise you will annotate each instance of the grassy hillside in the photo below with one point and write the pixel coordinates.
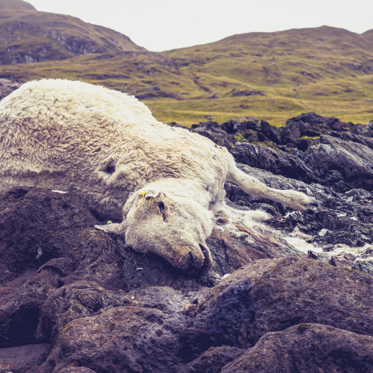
(326, 70)
(271, 76)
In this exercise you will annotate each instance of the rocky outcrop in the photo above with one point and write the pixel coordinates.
(36, 226)
(74, 299)
(7, 86)
(273, 160)
(307, 348)
(159, 328)
(23, 358)
(97, 305)
(236, 93)
(336, 160)
(310, 148)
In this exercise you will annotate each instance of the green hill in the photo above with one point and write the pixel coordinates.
(271, 76)
(325, 69)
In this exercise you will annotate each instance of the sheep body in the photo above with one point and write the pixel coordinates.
(108, 148)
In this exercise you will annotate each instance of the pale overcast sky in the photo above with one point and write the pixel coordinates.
(161, 25)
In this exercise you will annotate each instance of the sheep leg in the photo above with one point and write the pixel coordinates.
(290, 198)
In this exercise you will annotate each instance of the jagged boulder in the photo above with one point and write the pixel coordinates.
(7, 86)
(162, 329)
(272, 295)
(37, 225)
(310, 348)
(334, 160)
(311, 124)
(214, 359)
(273, 160)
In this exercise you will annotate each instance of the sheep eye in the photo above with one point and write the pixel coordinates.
(161, 206)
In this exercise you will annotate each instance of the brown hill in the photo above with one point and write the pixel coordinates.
(15, 5)
(28, 36)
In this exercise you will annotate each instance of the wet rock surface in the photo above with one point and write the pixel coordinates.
(292, 294)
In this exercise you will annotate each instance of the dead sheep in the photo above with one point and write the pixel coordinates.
(105, 146)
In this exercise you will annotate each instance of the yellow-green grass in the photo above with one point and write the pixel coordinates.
(275, 110)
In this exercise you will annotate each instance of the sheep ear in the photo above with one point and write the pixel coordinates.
(151, 193)
(116, 228)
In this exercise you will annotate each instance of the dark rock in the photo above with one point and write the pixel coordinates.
(361, 129)
(247, 93)
(354, 203)
(147, 335)
(37, 225)
(24, 358)
(72, 369)
(310, 348)
(311, 125)
(7, 86)
(20, 312)
(232, 131)
(252, 138)
(271, 132)
(272, 160)
(230, 126)
(231, 251)
(352, 161)
(338, 160)
(100, 310)
(157, 94)
(370, 128)
(88, 302)
(348, 136)
(122, 339)
(272, 295)
(70, 302)
(248, 123)
(363, 265)
(213, 360)
(347, 218)
(214, 132)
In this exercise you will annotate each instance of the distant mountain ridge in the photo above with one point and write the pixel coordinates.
(27, 36)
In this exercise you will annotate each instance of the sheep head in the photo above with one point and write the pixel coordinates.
(174, 229)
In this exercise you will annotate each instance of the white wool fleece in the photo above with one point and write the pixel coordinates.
(65, 134)
(108, 148)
